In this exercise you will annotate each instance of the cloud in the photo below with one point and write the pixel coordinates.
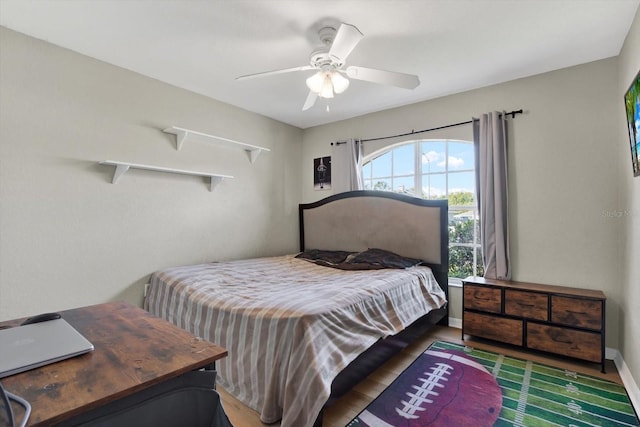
(454, 163)
(439, 159)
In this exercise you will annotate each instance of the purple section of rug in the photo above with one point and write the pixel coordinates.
(441, 388)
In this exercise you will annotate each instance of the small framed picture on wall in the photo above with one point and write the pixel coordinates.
(322, 173)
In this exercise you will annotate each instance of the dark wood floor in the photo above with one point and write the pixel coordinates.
(340, 413)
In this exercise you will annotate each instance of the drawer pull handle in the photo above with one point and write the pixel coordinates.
(557, 336)
(481, 296)
(577, 312)
(522, 304)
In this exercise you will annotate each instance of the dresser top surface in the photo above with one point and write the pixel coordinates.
(537, 287)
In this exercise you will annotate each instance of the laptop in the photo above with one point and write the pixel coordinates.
(30, 346)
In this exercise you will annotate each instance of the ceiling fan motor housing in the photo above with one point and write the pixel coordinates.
(320, 59)
(326, 35)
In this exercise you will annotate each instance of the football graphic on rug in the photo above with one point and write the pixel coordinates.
(444, 388)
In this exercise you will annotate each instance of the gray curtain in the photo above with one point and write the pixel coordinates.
(346, 166)
(490, 143)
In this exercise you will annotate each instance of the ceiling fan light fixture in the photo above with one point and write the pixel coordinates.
(326, 83)
(339, 82)
(327, 87)
(315, 83)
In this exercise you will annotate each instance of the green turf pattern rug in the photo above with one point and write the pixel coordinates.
(452, 385)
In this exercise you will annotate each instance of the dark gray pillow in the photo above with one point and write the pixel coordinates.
(324, 257)
(383, 259)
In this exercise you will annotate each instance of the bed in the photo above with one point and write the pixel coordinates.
(301, 329)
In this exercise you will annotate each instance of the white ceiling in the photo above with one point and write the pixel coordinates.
(452, 45)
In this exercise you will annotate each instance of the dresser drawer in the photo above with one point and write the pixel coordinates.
(483, 298)
(492, 327)
(579, 344)
(577, 312)
(531, 305)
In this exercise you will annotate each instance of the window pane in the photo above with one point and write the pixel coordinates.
(382, 184)
(366, 170)
(461, 156)
(403, 160)
(367, 184)
(381, 166)
(434, 186)
(461, 227)
(462, 182)
(434, 156)
(460, 262)
(404, 185)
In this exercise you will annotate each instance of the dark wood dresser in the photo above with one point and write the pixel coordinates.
(556, 319)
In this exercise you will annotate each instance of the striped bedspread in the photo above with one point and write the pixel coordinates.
(290, 326)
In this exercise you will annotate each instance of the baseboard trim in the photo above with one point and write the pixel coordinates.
(455, 322)
(627, 379)
(610, 353)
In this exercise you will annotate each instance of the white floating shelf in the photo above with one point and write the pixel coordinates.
(183, 134)
(122, 167)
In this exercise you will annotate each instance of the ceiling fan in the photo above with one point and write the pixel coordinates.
(329, 62)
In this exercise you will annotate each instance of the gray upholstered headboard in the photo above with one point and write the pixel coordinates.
(359, 220)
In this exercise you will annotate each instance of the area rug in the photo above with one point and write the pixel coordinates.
(452, 385)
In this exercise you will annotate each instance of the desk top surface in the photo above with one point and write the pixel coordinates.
(134, 350)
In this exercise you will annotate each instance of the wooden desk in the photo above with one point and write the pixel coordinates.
(133, 351)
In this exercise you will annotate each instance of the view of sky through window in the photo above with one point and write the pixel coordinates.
(395, 170)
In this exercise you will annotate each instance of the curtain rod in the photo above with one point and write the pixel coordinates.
(510, 113)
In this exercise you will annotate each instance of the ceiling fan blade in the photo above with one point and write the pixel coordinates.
(391, 78)
(270, 73)
(311, 99)
(347, 37)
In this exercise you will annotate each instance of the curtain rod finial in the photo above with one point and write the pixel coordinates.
(514, 112)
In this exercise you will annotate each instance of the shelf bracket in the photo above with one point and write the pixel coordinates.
(181, 136)
(253, 154)
(215, 180)
(120, 170)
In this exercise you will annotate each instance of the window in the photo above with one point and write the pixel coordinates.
(435, 169)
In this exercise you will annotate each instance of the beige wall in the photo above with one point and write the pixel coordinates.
(68, 236)
(629, 219)
(563, 160)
